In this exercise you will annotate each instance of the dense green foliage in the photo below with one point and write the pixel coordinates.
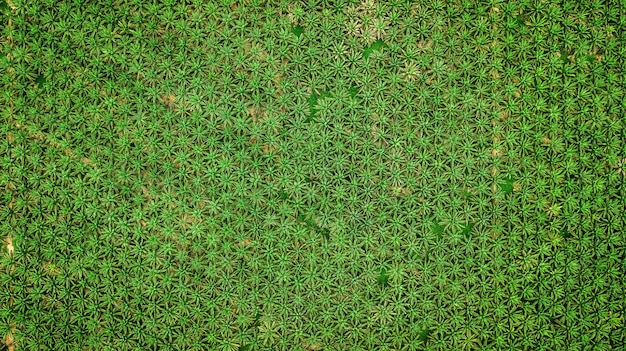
(313, 175)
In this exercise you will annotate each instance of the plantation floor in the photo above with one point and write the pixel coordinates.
(313, 175)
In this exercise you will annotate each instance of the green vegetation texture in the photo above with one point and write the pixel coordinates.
(312, 175)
